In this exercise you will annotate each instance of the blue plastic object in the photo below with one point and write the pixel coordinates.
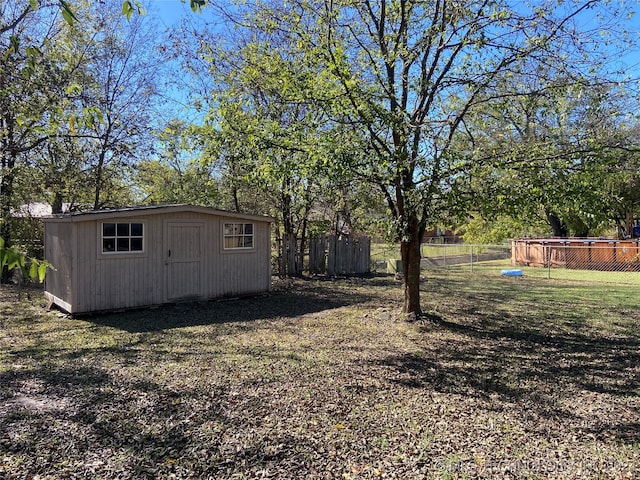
(516, 272)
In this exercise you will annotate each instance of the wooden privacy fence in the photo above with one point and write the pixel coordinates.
(331, 255)
(289, 256)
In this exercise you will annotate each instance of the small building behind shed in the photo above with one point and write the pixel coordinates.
(143, 256)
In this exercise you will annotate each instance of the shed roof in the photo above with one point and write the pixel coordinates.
(150, 210)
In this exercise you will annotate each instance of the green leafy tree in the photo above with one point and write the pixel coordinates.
(622, 183)
(115, 107)
(26, 97)
(407, 75)
(32, 268)
(179, 175)
(549, 152)
(267, 135)
(104, 87)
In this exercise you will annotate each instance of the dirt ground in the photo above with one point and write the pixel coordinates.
(323, 378)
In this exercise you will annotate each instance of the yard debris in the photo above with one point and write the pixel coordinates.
(410, 317)
(39, 403)
(326, 380)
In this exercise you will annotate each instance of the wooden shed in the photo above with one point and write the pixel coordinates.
(143, 256)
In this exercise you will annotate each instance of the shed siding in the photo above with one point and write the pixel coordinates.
(59, 251)
(114, 281)
(184, 250)
(111, 281)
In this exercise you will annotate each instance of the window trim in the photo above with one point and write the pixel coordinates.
(116, 252)
(243, 235)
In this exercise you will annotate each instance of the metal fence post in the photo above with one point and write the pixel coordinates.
(471, 258)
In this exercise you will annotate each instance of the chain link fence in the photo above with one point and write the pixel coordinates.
(615, 256)
(586, 260)
(386, 257)
(615, 261)
(462, 255)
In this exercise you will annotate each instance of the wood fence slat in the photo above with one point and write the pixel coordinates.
(291, 259)
(339, 256)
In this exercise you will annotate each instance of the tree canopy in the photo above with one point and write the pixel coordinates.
(332, 114)
(407, 77)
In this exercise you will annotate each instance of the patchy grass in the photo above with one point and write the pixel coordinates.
(384, 251)
(583, 277)
(510, 378)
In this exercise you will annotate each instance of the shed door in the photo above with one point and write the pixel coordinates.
(183, 260)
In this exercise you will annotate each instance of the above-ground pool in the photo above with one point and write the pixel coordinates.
(577, 253)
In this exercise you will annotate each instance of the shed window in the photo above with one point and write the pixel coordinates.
(122, 237)
(238, 235)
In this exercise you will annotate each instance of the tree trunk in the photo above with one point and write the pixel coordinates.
(557, 225)
(6, 197)
(288, 227)
(234, 193)
(56, 207)
(98, 181)
(303, 242)
(305, 222)
(410, 252)
(9, 155)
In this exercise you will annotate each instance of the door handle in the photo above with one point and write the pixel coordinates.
(169, 252)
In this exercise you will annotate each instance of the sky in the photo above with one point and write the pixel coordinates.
(168, 13)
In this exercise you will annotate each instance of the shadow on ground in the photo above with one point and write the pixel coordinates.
(512, 363)
(311, 296)
(549, 372)
(89, 414)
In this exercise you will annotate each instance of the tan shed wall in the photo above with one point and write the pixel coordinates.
(59, 249)
(107, 282)
(115, 281)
